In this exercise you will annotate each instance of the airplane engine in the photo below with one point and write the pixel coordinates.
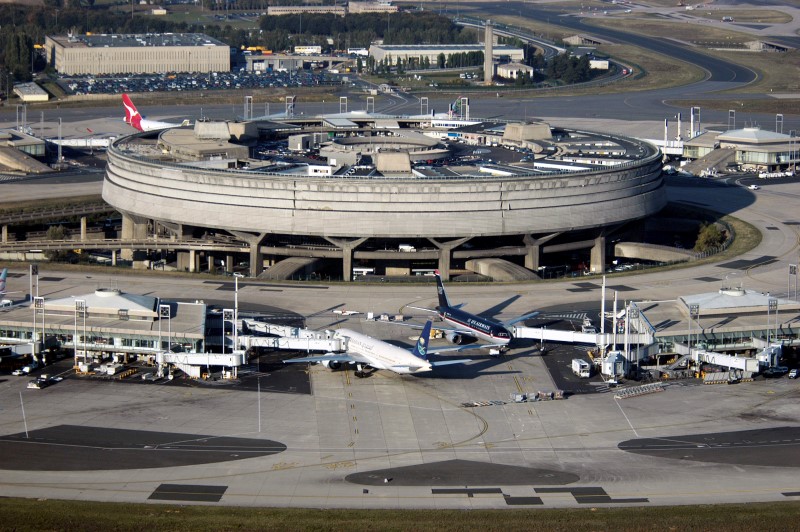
(454, 338)
(332, 364)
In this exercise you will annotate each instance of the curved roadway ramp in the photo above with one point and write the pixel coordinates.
(779, 446)
(78, 448)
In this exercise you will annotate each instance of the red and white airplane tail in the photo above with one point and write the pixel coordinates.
(132, 116)
(136, 120)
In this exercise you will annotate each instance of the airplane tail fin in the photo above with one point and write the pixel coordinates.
(443, 301)
(132, 115)
(421, 349)
(3, 277)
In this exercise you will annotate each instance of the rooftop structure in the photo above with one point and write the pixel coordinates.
(30, 92)
(137, 53)
(754, 148)
(432, 51)
(425, 180)
(111, 321)
(276, 11)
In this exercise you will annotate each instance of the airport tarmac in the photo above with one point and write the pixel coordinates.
(391, 441)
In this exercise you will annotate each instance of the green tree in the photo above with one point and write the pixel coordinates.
(57, 232)
(708, 237)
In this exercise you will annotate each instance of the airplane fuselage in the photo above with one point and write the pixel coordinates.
(482, 328)
(382, 355)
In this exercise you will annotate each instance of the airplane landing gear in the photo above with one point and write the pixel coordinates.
(361, 371)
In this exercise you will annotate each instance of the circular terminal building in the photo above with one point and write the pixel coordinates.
(360, 193)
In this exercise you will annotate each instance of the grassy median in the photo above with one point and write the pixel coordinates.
(30, 514)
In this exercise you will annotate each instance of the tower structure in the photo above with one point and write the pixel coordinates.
(488, 63)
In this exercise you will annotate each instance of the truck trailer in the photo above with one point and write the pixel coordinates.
(581, 368)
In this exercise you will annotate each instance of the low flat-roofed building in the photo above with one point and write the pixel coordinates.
(701, 145)
(760, 149)
(22, 142)
(110, 322)
(277, 11)
(432, 51)
(513, 70)
(371, 7)
(755, 149)
(30, 92)
(148, 53)
(583, 39)
(190, 145)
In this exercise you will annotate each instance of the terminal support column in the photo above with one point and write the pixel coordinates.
(256, 257)
(598, 255)
(133, 228)
(446, 253)
(5, 234)
(83, 228)
(533, 250)
(347, 247)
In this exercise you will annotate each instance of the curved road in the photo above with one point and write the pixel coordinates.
(718, 69)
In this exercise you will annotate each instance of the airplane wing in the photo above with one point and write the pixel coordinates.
(448, 362)
(512, 321)
(434, 311)
(329, 357)
(462, 332)
(450, 349)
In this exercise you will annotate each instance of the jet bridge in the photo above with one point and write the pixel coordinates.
(578, 337)
(289, 338)
(193, 363)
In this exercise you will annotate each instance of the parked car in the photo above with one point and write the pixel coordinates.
(794, 373)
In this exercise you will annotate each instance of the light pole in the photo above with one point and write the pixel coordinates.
(694, 310)
(38, 306)
(235, 312)
(80, 308)
(772, 304)
(165, 311)
(227, 316)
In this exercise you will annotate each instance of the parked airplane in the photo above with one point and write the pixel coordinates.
(365, 351)
(133, 118)
(3, 279)
(472, 325)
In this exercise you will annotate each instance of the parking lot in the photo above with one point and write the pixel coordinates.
(194, 81)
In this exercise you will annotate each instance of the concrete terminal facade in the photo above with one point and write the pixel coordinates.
(443, 207)
(136, 53)
(432, 51)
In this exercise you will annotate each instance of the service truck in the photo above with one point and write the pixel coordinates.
(581, 368)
